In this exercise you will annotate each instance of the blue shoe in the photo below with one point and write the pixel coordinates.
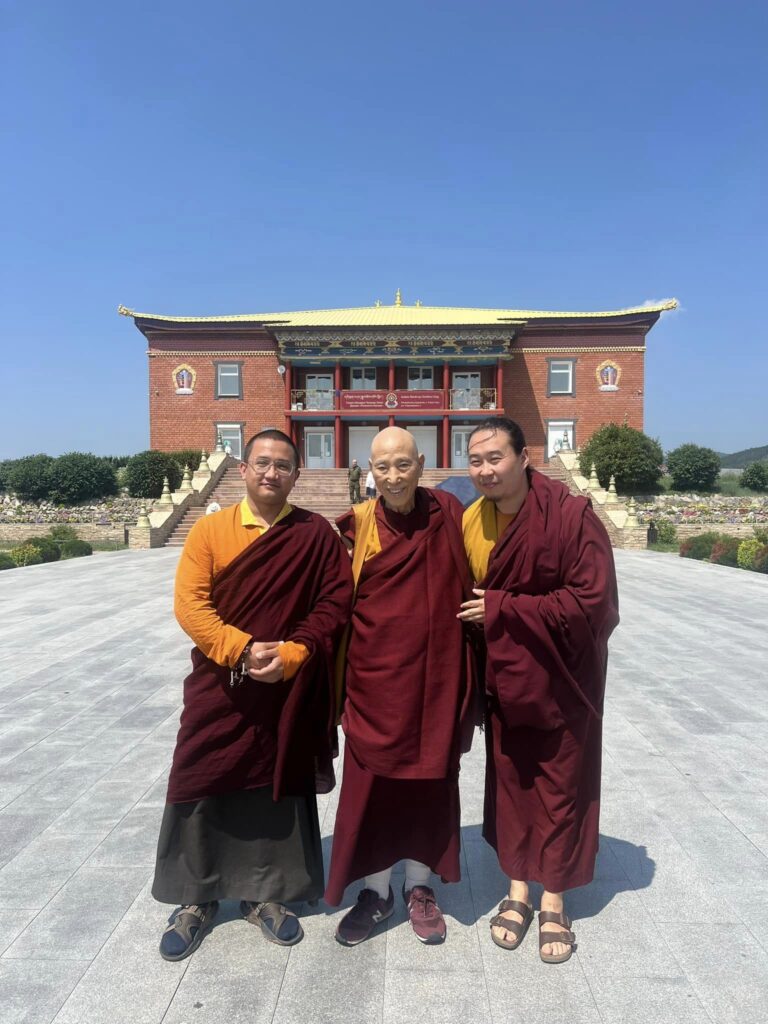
(186, 929)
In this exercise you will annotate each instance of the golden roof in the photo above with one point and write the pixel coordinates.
(400, 315)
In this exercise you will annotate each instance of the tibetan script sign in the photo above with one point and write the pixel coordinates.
(393, 400)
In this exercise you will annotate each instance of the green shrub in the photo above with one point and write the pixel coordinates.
(5, 468)
(47, 546)
(755, 476)
(761, 532)
(187, 457)
(116, 461)
(667, 533)
(760, 563)
(63, 532)
(28, 477)
(725, 551)
(630, 455)
(78, 476)
(693, 468)
(75, 549)
(145, 473)
(26, 554)
(699, 546)
(121, 475)
(745, 556)
(6, 562)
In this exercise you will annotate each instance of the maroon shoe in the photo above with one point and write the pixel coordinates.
(370, 909)
(426, 917)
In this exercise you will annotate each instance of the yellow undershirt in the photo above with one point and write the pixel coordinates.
(482, 525)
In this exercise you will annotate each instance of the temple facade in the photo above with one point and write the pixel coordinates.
(332, 378)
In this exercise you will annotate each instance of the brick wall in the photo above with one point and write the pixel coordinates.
(188, 421)
(526, 401)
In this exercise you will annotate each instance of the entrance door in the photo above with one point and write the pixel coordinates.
(359, 444)
(459, 442)
(318, 448)
(426, 441)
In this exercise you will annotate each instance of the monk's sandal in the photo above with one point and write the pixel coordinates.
(567, 937)
(276, 922)
(186, 929)
(518, 928)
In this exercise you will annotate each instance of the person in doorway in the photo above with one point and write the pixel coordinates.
(409, 709)
(370, 485)
(264, 590)
(354, 474)
(547, 603)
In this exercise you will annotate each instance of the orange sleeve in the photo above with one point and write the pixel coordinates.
(193, 606)
(293, 657)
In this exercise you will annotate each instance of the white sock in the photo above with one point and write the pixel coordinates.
(379, 882)
(416, 873)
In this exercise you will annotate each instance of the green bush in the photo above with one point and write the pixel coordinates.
(75, 549)
(78, 476)
(6, 562)
(760, 563)
(693, 468)
(116, 461)
(745, 556)
(699, 546)
(63, 532)
(145, 473)
(725, 551)
(761, 532)
(25, 554)
(5, 468)
(28, 477)
(755, 476)
(47, 546)
(630, 455)
(667, 533)
(187, 457)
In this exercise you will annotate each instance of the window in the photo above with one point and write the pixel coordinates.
(363, 378)
(466, 390)
(420, 378)
(232, 434)
(560, 434)
(319, 391)
(228, 382)
(560, 377)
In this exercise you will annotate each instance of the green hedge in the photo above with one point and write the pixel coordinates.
(700, 546)
(188, 457)
(75, 549)
(693, 468)
(47, 546)
(26, 554)
(77, 477)
(628, 454)
(725, 551)
(145, 472)
(28, 477)
(6, 562)
(755, 476)
(63, 532)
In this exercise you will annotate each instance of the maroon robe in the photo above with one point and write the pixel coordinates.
(409, 707)
(550, 605)
(292, 583)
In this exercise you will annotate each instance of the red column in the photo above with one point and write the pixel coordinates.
(337, 429)
(391, 421)
(287, 376)
(446, 442)
(391, 378)
(499, 384)
(337, 425)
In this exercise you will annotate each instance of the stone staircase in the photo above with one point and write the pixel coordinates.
(319, 490)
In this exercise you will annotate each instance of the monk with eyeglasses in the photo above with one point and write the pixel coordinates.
(264, 591)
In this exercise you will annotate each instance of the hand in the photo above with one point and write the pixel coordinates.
(264, 662)
(473, 611)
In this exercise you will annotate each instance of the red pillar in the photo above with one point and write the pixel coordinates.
(287, 376)
(337, 425)
(391, 421)
(499, 384)
(391, 376)
(446, 442)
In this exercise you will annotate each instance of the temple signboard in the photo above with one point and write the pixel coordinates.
(364, 400)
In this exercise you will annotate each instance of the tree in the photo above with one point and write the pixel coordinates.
(145, 473)
(79, 476)
(28, 477)
(629, 455)
(755, 476)
(693, 468)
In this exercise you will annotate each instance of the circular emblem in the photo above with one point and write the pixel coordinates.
(391, 400)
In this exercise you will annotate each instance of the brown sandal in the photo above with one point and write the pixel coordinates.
(547, 938)
(518, 928)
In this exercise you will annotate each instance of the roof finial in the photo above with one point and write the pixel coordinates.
(398, 298)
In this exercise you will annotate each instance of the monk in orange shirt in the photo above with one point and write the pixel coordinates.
(264, 590)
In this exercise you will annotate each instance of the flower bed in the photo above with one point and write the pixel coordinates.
(699, 510)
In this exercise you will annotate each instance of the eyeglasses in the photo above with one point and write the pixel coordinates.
(281, 467)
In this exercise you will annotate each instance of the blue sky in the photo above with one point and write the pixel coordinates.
(199, 158)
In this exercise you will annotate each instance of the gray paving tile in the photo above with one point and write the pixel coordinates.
(36, 874)
(13, 921)
(435, 997)
(31, 991)
(648, 1000)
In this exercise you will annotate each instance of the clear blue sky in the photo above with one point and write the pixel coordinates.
(200, 158)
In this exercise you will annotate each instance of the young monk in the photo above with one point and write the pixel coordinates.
(409, 688)
(264, 591)
(547, 602)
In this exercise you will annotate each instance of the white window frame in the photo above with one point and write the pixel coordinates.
(559, 367)
(228, 371)
(235, 432)
(421, 378)
(366, 380)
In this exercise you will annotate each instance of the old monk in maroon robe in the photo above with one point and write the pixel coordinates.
(409, 707)
(264, 591)
(547, 600)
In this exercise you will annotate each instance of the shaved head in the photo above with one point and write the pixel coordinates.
(396, 466)
(394, 439)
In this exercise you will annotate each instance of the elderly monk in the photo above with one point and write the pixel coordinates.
(409, 689)
(264, 590)
(547, 602)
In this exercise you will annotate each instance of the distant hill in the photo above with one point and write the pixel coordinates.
(738, 460)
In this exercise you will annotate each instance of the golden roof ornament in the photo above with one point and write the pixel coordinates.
(398, 298)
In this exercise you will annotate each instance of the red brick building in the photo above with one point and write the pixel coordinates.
(332, 378)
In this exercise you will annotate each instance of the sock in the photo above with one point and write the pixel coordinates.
(416, 873)
(379, 882)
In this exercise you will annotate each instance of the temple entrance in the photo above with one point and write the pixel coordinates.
(426, 441)
(359, 444)
(318, 448)
(459, 442)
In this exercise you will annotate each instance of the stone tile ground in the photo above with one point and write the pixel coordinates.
(674, 929)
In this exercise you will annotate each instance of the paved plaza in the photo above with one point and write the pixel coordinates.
(674, 929)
